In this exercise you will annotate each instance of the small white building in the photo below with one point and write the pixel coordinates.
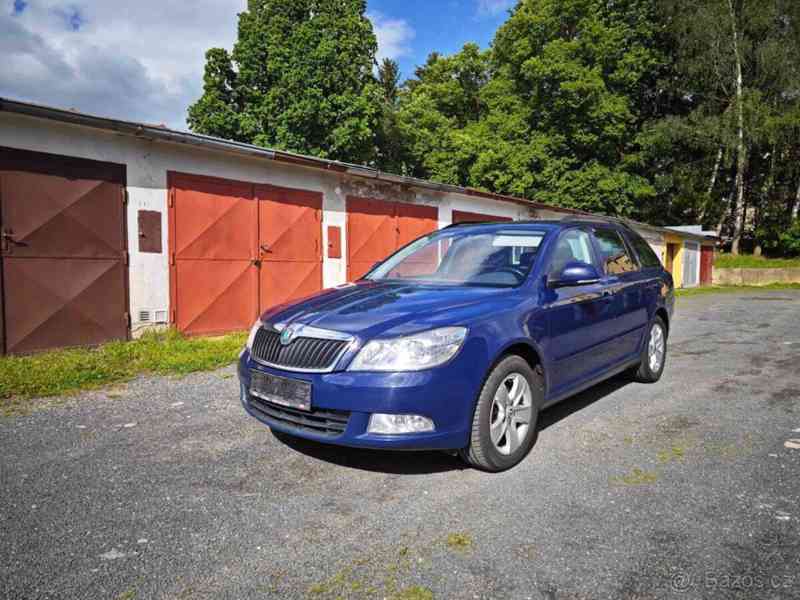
(111, 226)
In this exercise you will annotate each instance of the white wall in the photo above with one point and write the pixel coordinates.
(148, 162)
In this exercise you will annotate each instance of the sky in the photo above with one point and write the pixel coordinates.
(143, 60)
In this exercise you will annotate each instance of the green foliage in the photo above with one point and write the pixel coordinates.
(299, 79)
(438, 114)
(625, 108)
(64, 371)
(748, 261)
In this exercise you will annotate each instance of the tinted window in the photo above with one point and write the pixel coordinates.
(643, 250)
(613, 252)
(572, 246)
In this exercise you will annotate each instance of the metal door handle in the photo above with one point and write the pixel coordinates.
(265, 248)
(6, 238)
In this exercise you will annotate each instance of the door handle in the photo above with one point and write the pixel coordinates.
(6, 240)
(265, 248)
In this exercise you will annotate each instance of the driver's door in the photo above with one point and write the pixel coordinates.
(578, 317)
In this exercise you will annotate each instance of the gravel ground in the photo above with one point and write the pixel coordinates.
(164, 488)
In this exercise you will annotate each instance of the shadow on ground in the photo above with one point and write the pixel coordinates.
(425, 462)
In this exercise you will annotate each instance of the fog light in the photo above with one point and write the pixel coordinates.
(392, 424)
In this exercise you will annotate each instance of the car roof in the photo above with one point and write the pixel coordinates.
(541, 223)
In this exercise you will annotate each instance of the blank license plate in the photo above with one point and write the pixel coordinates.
(280, 390)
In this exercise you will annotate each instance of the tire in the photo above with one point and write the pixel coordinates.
(648, 372)
(492, 407)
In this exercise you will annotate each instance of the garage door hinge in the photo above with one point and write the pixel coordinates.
(172, 198)
(127, 258)
(124, 196)
(127, 319)
(172, 259)
(173, 317)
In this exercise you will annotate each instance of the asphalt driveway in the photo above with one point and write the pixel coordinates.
(689, 488)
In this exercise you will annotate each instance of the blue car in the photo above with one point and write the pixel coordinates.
(459, 339)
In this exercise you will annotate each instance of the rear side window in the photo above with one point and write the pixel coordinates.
(647, 257)
(613, 253)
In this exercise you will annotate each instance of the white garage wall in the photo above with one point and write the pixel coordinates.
(148, 162)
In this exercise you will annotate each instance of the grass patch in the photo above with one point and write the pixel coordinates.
(723, 289)
(636, 477)
(459, 541)
(65, 371)
(415, 592)
(749, 261)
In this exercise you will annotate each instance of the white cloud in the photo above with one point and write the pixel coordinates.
(394, 35)
(138, 60)
(494, 7)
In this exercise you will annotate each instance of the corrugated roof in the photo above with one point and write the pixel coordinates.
(165, 134)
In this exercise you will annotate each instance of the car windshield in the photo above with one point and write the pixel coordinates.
(463, 257)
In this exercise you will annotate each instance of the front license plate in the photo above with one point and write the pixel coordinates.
(281, 390)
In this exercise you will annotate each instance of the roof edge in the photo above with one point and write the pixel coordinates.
(161, 133)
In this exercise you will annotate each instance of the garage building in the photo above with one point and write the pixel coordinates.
(109, 227)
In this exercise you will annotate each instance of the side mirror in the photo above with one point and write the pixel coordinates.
(575, 273)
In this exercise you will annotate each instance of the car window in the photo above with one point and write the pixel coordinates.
(573, 245)
(647, 257)
(462, 256)
(613, 253)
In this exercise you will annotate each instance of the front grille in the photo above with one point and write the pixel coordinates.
(325, 422)
(313, 354)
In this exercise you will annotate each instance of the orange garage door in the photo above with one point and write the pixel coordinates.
(376, 228)
(237, 248)
(461, 216)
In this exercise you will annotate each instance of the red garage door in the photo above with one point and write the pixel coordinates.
(63, 278)
(238, 249)
(290, 244)
(460, 216)
(706, 265)
(376, 228)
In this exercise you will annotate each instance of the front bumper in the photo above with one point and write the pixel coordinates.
(446, 394)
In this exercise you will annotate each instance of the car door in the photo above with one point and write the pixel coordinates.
(624, 281)
(577, 316)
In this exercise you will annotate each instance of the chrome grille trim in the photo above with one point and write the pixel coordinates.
(311, 349)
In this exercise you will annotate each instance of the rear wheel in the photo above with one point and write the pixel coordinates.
(504, 423)
(654, 354)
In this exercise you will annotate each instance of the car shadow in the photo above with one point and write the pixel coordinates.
(427, 462)
(384, 461)
(565, 408)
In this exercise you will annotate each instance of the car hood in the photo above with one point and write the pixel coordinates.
(368, 309)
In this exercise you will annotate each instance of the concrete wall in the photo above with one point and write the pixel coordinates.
(148, 162)
(755, 276)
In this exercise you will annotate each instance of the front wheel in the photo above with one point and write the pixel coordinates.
(654, 354)
(504, 423)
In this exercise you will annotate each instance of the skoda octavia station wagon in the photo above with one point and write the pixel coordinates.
(459, 339)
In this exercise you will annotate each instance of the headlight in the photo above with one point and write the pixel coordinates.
(253, 331)
(412, 353)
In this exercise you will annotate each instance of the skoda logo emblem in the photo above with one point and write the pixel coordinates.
(287, 335)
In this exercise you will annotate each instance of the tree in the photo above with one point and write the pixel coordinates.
(570, 84)
(299, 78)
(391, 149)
(736, 74)
(439, 111)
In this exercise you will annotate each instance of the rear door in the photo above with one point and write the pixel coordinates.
(625, 282)
(577, 316)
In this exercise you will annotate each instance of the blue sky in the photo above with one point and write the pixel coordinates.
(441, 25)
(143, 60)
